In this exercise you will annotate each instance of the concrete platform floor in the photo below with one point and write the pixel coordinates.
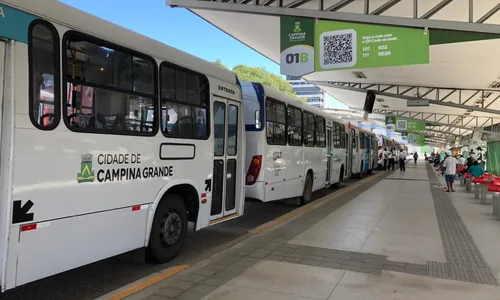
(399, 236)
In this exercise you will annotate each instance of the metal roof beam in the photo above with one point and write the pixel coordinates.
(382, 8)
(490, 13)
(297, 3)
(337, 16)
(268, 2)
(339, 5)
(378, 92)
(435, 9)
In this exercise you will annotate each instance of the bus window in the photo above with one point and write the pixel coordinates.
(184, 97)
(275, 122)
(354, 139)
(232, 130)
(320, 132)
(338, 135)
(343, 137)
(44, 75)
(219, 127)
(309, 129)
(294, 123)
(109, 89)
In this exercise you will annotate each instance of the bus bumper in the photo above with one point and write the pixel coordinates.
(256, 191)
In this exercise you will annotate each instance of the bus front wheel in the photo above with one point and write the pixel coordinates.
(169, 230)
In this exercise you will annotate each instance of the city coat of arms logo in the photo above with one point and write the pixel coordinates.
(86, 173)
(297, 27)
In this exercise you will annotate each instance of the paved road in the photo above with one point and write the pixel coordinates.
(92, 281)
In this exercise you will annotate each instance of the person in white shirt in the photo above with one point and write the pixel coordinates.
(391, 156)
(402, 160)
(386, 158)
(450, 166)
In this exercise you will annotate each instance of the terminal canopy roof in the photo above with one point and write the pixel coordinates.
(462, 79)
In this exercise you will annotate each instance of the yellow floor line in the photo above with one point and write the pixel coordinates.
(309, 206)
(147, 283)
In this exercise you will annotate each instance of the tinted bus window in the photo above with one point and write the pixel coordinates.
(294, 123)
(45, 89)
(109, 89)
(184, 103)
(275, 122)
(309, 129)
(320, 132)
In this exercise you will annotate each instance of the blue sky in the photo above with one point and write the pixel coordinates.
(180, 29)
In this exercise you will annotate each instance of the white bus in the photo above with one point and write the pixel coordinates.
(293, 148)
(362, 151)
(110, 141)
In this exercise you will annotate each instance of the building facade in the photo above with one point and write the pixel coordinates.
(314, 95)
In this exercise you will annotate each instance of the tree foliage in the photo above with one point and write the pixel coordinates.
(261, 75)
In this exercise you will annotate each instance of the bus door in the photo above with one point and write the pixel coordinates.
(5, 198)
(348, 159)
(329, 154)
(353, 142)
(226, 186)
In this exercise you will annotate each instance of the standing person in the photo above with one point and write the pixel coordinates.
(470, 161)
(402, 159)
(385, 154)
(450, 169)
(391, 156)
(415, 156)
(462, 162)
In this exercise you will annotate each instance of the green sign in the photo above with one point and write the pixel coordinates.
(341, 45)
(416, 139)
(297, 46)
(401, 124)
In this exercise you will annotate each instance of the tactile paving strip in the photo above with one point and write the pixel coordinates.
(464, 260)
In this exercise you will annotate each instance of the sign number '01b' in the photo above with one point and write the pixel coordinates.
(297, 58)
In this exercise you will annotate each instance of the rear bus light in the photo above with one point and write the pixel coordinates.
(254, 169)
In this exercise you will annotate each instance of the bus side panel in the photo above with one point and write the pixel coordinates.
(60, 245)
(338, 158)
(284, 171)
(315, 159)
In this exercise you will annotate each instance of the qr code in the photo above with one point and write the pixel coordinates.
(401, 125)
(338, 48)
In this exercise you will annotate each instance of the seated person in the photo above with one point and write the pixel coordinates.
(475, 170)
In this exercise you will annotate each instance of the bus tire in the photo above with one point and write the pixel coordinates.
(307, 193)
(169, 229)
(341, 175)
(335, 185)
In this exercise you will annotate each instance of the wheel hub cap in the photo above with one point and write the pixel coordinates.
(171, 228)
